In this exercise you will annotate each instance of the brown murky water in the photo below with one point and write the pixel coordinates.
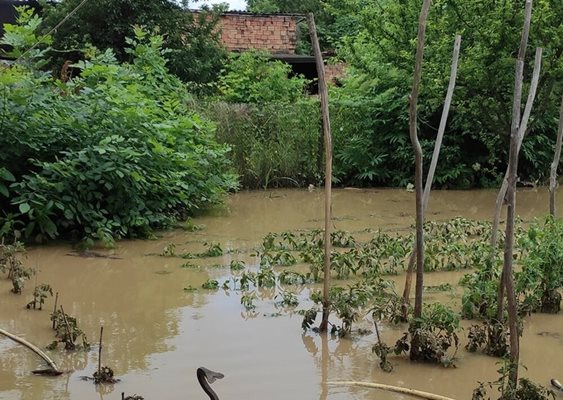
(156, 334)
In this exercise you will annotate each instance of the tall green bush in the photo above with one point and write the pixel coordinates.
(540, 282)
(273, 144)
(273, 128)
(253, 77)
(115, 152)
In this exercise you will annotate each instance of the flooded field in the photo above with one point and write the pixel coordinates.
(156, 334)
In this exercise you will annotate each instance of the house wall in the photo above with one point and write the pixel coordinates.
(274, 33)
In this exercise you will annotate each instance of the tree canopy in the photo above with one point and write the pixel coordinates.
(195, 53)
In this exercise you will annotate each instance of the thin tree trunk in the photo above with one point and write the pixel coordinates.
(433, 163)
(516, 109)
(328, 169)
(555, 163)
(522, 128)
(418, 157)
(511, 200)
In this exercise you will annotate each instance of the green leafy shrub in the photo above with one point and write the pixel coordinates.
(541, 279)
(433, 334)
(253, 77)
(115, 152)
(273, 144)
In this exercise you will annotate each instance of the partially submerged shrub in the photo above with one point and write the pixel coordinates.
(114, 152)
(541, 278)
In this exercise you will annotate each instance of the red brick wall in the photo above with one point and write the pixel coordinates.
(333, 72)
(273, 33)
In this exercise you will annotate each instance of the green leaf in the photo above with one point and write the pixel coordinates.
(24, 208)
(7, 175)
(4, 190)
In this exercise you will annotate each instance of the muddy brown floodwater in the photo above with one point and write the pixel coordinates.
(156, 334)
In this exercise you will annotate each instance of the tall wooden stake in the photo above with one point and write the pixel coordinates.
(418, 157)
(511, 204)
(100, 352)
(516, 108)
(328, 168)
(55, 311)
(518, 129)
(433, 163)
(555, 163)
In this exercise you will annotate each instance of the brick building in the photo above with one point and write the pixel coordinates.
(275, 33)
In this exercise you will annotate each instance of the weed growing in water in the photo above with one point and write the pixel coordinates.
(105, 375)
(541, 278)
(13, 266)
(211, 284)
(526, 390)
(67, 332)
(237, 265)
(40, 293)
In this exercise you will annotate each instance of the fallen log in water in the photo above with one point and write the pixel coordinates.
(396, 389)
(52, 371)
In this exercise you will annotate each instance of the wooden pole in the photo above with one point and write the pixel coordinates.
(55, 311)
(396, 389)
(508, 278)
(433, 163)
(100, 352)
(33, 348)
(522, 128)
(328, 168)
(555, 163)
(418, 157)
(516, 109)
(67, 327)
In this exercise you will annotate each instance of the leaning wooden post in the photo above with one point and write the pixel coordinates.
(328, 168)
(418, 157)
(433, 163)
(555, 163)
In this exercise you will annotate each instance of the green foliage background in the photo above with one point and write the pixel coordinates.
(380, 56)
(196, 54)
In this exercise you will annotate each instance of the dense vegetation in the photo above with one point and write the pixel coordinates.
(369, 109)
(112, 153)
(195, 53)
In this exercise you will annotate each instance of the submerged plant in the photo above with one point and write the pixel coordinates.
(541, 279)
(67, 332)
(12, 265)
(104, 375)
(210, 284)
(525, 390)
(40, 293)
(433, 334)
